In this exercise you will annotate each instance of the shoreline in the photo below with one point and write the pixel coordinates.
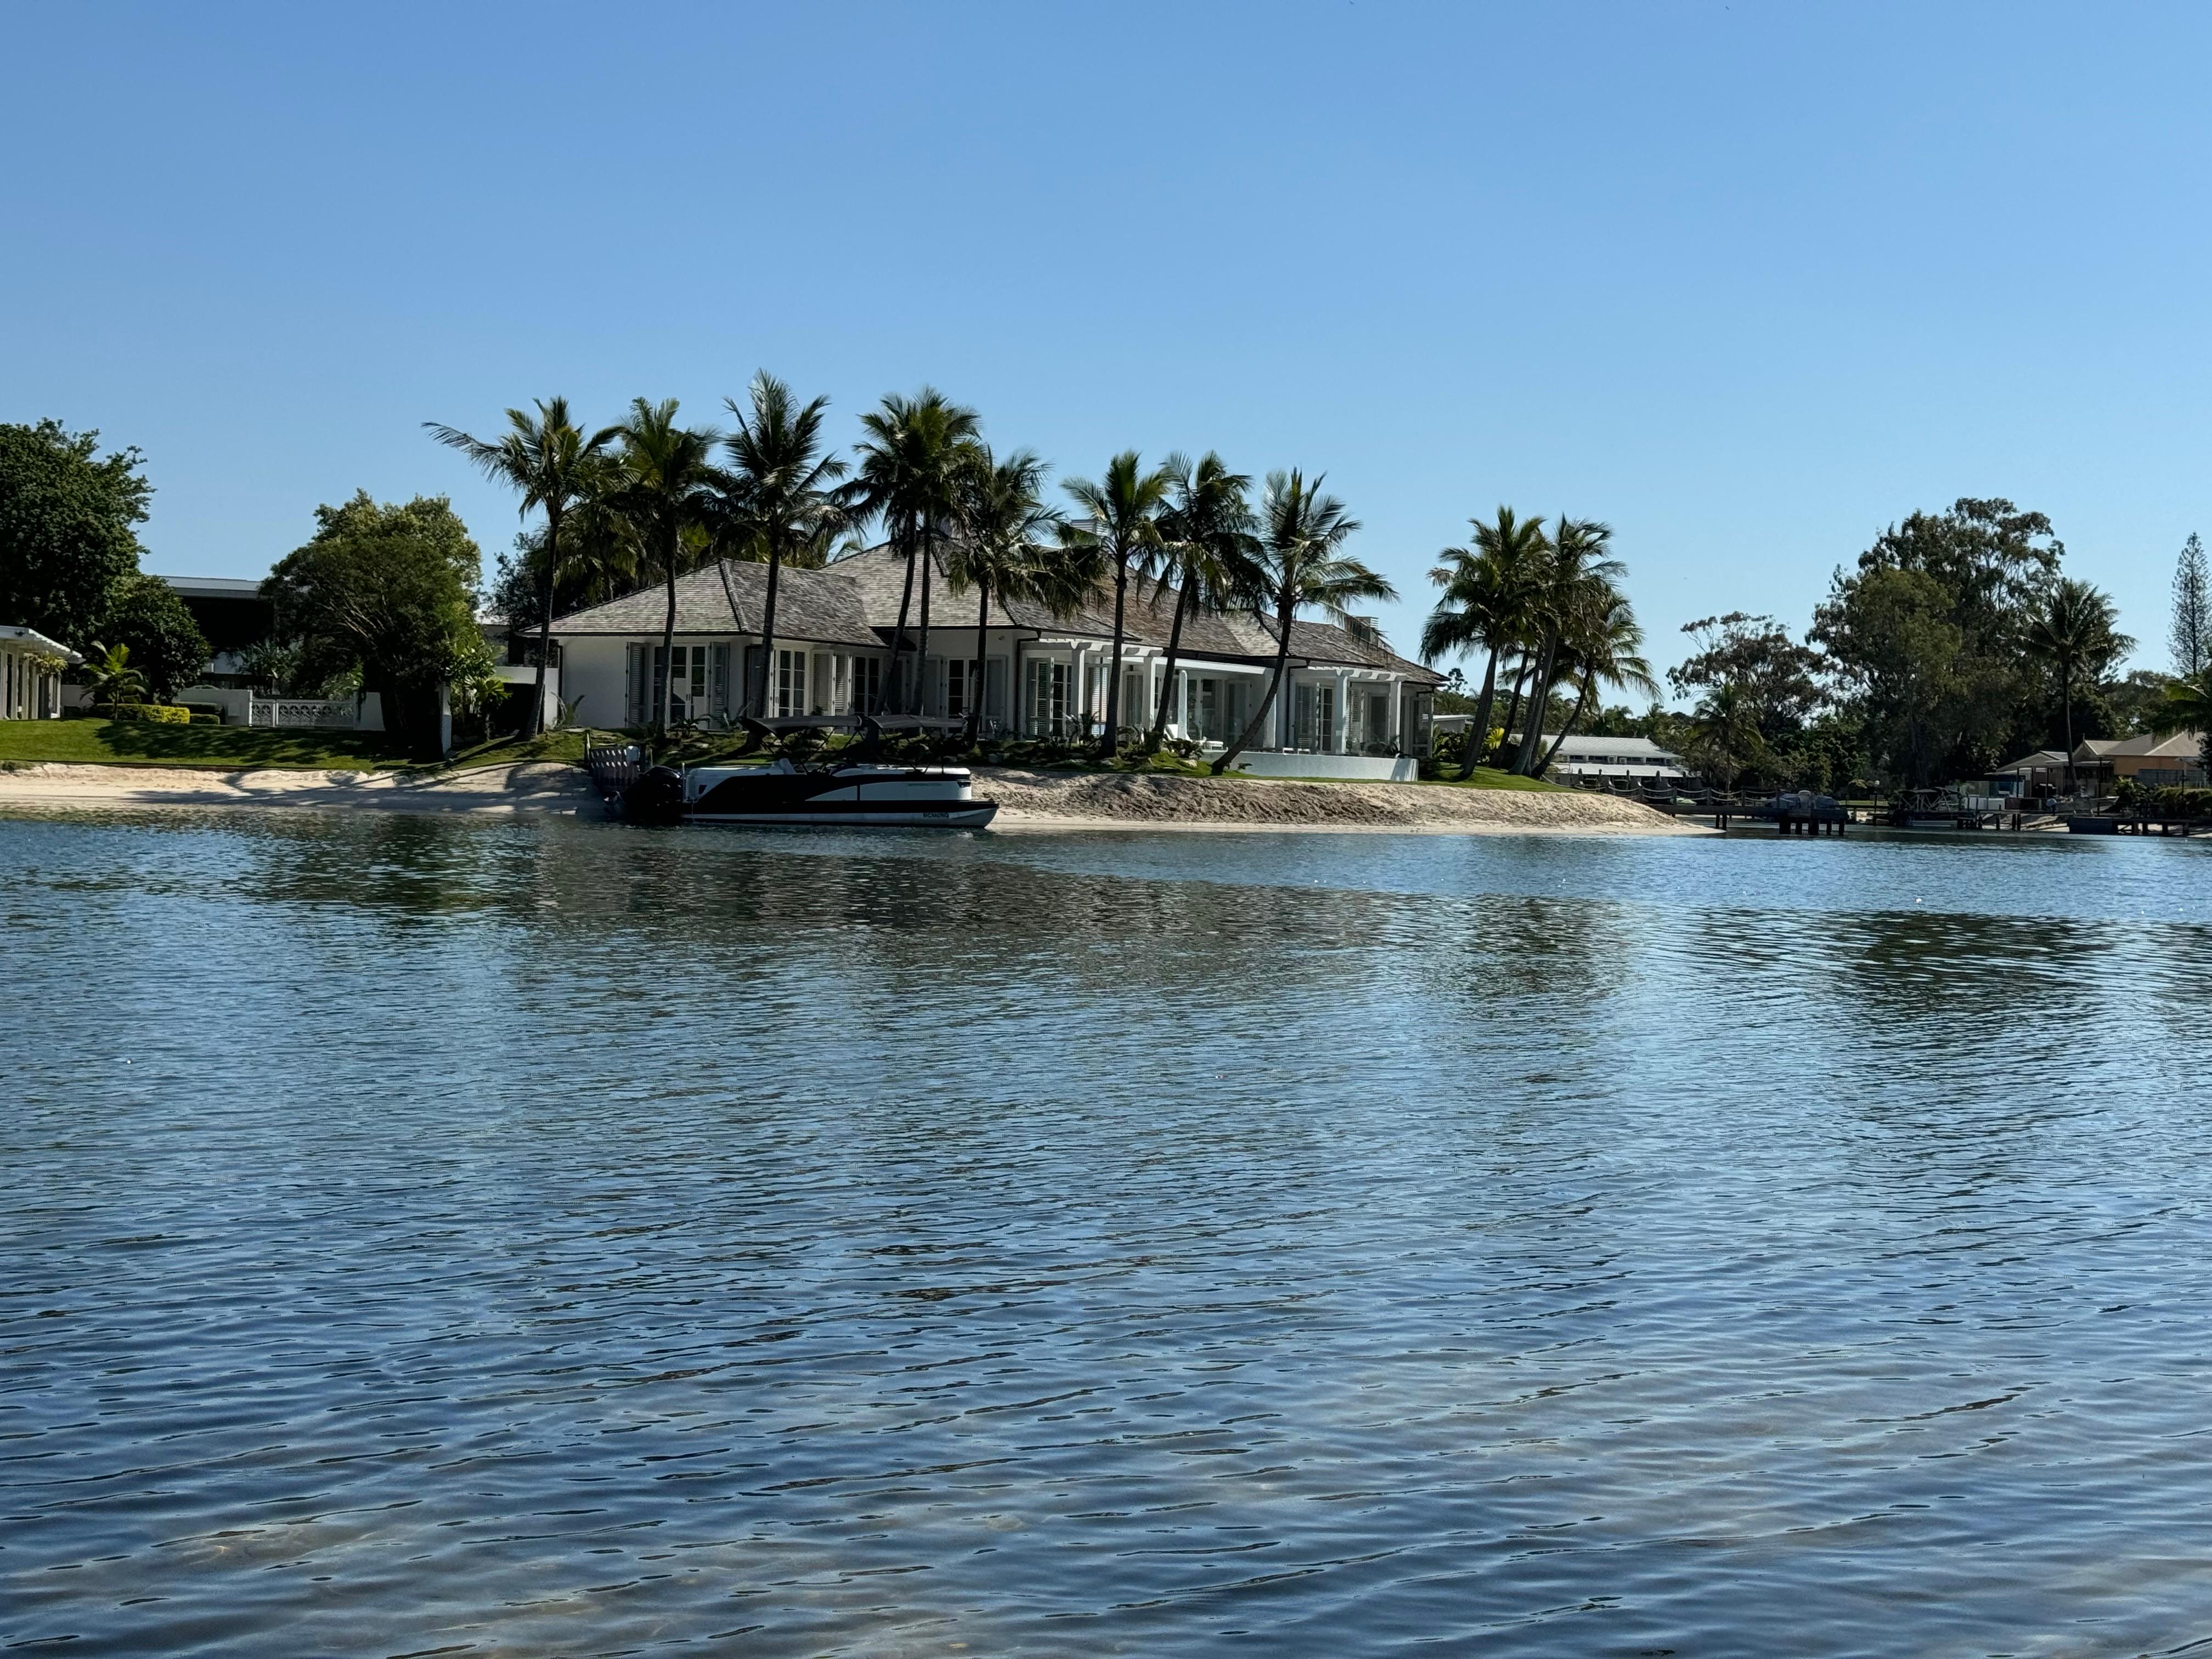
(1029, 801)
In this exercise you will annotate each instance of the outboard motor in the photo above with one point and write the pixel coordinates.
(657, 797)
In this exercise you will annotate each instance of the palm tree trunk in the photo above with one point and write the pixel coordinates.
(1244, 739)
(767, 632)
(1539, 694)
(1582, 702)
(983, 640)
(921, 650)
(537, 727)
(889, 689)
(1110, 740)
(667, 642)
(1512, 707)
(1478, 736)
(1167, 683)
(2066, 700)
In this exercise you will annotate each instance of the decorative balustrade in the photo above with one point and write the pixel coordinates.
(328, 713)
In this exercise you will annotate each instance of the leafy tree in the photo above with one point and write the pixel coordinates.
(1777, 677)
(778, 497)
(913, 460)
(66, 535)
(2188, 708)
(1979, 570)
(1121, 523)
(1206, 551)
(1488, 605)
(387, 590)
(547, 460)
(1300, 563)
(2133, 700)
(2192, 635)
(1890, 633)
(144, 613)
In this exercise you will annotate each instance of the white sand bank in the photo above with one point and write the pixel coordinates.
(1027, 800)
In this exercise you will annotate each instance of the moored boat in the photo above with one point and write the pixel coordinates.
(858, 793)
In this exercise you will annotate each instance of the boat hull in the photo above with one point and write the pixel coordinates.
(851, 797)
(961, 815)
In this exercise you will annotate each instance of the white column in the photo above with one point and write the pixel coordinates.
(1182, 702)
(1338, 740)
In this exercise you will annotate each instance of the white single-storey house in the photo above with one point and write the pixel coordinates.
(30, 674)
(1616, 757)
(1043, 676)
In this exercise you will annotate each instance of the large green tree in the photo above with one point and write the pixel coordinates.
(2075, 629)
(166, 644)
(387, 590)
(1777, 678)
(67, 539)
(1979, 570)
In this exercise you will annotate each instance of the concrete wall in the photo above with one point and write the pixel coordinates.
(1362, 768)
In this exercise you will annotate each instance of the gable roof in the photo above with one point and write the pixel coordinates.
(812, 605)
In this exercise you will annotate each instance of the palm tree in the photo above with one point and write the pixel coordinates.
(1206, 550)
(1604, 647)
(546, 458)
(1724, 733)
(600, 551)
(1577, 555)
(777, 500)
(1302, 562)
(2188, 708)
(1003, 549)
(667, 472)
(909, 476)
(111, 678)
(1122, 511)
(2075, 624)
(1488, 605)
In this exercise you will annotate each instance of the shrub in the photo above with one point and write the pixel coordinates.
(205, 712)
(152, 714)
(206, 720)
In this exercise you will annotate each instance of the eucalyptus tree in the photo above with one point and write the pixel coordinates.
(911, 462)
(548, 460)
(1577, 556)
(664, 490)
(1007, 547)
(1488, 605)
(1206, 551)
(777, 498)
(1121, 512)
(1300, 563)
(1603, 647)
(2074, 626)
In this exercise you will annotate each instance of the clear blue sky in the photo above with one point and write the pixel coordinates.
(1748, 281)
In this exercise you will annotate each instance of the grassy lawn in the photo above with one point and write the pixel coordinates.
(134, 742)
(1489, 777)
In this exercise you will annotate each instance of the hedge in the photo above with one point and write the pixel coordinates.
(153, 713)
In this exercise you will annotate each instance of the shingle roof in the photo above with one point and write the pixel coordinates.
(855, 601)
(813, 605)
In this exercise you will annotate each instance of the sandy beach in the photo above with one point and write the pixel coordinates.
(1028, 800)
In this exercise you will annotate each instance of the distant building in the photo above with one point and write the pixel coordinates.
(233, 614)
(1594, 758)
(1343, 697)
(2151, 760)
(30, 674)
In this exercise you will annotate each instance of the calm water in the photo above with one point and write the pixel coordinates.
(524, 1239)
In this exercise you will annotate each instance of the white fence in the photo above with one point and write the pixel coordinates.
(336, 712)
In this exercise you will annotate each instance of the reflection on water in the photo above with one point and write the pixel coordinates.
(515, 1238)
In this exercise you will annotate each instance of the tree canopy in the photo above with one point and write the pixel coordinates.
(67, 534)
(166, 644)
(387, 590)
